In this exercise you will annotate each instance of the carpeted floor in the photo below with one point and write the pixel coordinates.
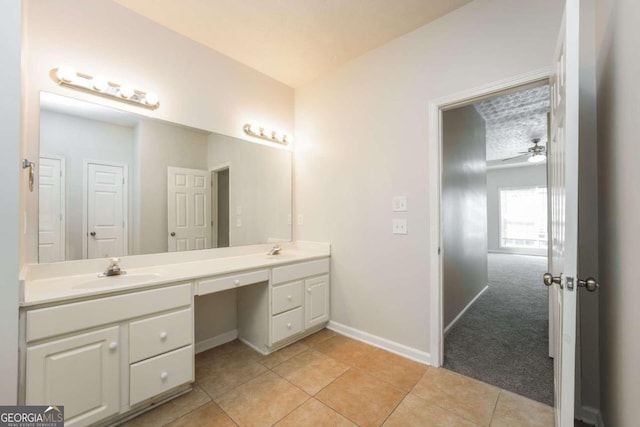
(503, 338)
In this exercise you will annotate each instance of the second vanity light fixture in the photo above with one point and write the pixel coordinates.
(260, 132)
(67, 76)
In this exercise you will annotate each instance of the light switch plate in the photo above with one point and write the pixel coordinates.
(400, 203)
(399, 226)
(238, 221)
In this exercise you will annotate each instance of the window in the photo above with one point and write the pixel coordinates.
(523, 217)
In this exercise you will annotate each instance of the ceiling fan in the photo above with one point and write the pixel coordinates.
(536, 154)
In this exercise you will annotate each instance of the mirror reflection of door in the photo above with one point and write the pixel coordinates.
(220, 207)
(51, 215)
(105, 207)
(189, 209)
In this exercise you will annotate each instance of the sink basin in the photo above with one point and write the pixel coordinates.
(112, 281)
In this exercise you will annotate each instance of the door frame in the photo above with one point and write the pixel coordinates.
(85, 199)
(436, 107)
(213, 172)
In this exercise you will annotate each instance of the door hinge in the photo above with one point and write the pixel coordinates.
(438, 250)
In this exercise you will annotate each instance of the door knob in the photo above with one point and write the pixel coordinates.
(590, 284)
(548, 279)
(93, 233)
(173, 234)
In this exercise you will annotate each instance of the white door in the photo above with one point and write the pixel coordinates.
(51, 209)
(563, 200)
(105, 210)
(188, 209)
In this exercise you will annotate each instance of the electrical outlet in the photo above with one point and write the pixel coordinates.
(300, 219)
(399, 226)
(238, 221)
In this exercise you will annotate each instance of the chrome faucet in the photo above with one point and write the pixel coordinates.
(113, 269)
(275, 250)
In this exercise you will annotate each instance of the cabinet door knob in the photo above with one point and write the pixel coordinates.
(113, 345)
(164, 375)
(289, 297)
(237, 282)
(309, 290)
(289, 325)
(163, 335)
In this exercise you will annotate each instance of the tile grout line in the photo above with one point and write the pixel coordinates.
(493, 413)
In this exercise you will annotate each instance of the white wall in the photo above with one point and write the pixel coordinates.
(618, 68)
(524, 176)
(361, 138)
(198, 87)
(11, 176)
(78, 139)
(464, 210)
(259, 189)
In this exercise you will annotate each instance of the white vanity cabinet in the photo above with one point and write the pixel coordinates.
(103, 356)
(294, 304)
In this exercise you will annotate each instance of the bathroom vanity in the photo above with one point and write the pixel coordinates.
(108, 348)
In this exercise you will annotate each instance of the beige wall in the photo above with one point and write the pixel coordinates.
(464, 210)
(12, 178)
(618, 68)
(361, 138)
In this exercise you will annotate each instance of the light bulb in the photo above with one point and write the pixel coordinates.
(537, 158)
(274, 134)
(257, 130)
(100, 83)
(126, 91)
(65, 74)
(151, 99)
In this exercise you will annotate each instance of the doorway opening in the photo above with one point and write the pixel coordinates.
(494, 231)
(220, 207)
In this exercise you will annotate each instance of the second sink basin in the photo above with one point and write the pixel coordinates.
(111, 281)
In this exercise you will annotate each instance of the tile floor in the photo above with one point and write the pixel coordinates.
(331, 380)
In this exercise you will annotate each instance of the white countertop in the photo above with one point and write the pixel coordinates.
(67, 287)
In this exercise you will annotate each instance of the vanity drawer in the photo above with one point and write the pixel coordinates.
(286, 297)
(51, 321)
(159, 334)
(286, 324)
(159, 374)
(208, 286)
(300, 270)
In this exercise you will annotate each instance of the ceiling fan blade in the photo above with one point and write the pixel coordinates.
(515, 157)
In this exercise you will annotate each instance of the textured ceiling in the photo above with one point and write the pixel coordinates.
(292, 41)
(513, 120)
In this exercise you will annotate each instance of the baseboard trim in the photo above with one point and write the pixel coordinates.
(464, 310)
(383, 343)
(212, 342)
(589, 415)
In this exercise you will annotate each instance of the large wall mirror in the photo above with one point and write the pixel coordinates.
(112, 183)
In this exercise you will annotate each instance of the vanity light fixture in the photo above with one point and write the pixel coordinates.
(67, 76)
(260, 132)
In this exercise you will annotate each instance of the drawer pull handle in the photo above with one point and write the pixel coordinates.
(289, 297)
(237, 282)
(163, 335)
(164, 375)
(289, 325)
(113, 345)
